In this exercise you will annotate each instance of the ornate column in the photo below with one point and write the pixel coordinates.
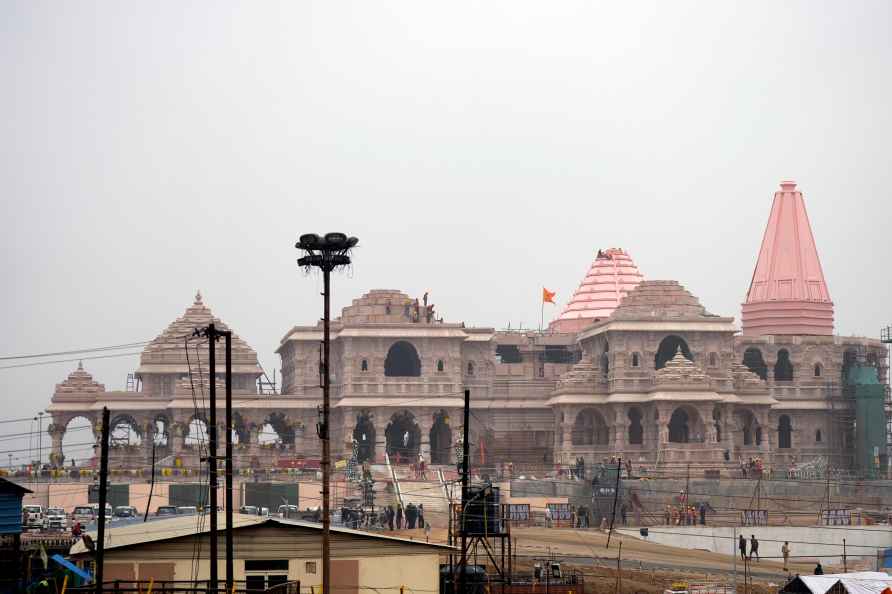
(425, 423)
(178, 432)
(380, 419)
(57, 432)
(620, 427)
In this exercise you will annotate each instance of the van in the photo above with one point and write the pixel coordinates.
(32, 516)
(85, 514)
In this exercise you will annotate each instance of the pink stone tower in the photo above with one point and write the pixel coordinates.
(611, 275)
(788, 293)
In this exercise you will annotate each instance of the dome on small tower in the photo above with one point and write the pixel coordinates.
(610, 277)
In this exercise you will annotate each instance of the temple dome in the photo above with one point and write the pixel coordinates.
(788, 293)
(660, 299)
(610, 277)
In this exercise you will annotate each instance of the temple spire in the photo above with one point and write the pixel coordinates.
(788, 293)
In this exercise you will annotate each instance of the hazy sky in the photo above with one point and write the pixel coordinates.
(479, 150)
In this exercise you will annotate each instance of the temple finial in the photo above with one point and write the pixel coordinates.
(80, 365)
(198, 297)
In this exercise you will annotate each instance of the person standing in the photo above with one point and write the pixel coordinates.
(785, 551)
(702, 513)
(754, 547)
(741, 544)
(819, 569)
(399, 516)
(547, 517)
(623, 512)
(421, 523)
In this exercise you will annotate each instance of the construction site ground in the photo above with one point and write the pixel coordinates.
(645, 566)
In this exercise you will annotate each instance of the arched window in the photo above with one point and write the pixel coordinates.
(470, 368)
(364, 366)
(784, 432)
(818, 436)
(783, 369)
(819, 370)
(590, 429)
(752, 358)
(636, 431)
(679, 426)
(440, 365)
(636, 360)
(605, 364)
(668, 347)
(713, 360)
(402, 361)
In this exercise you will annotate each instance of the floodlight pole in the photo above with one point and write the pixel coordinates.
(328, 252)
(212, 454)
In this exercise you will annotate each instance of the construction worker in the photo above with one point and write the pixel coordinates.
(785, 551)
(754, 547)
(741, 544)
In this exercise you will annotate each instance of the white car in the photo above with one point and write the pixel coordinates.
(32, 516)
(56, 519)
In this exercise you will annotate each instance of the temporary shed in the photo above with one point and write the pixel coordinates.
(857, 582)
(268, 552)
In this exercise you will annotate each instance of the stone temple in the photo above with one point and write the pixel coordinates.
(631, 367)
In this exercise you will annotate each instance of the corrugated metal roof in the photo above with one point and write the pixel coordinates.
(166, 529)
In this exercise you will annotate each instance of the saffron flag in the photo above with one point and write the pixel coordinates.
(547, 296)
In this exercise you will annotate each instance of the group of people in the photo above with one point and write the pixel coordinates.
(754, 467)
(685, 514)
(413, 515)
(754, 548)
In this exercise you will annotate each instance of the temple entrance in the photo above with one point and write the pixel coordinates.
(441, 439)
(402, 361)
(403, 438)
(750, 429)
(668, 347)
(685, 426)
(364, 436)
(125, 432)
(636, 430)
(784, 432)
(590, 429)
(752, 358)
(77, 442)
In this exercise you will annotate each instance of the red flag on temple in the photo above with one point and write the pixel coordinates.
(547, 296)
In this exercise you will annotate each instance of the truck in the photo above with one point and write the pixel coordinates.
(56, 519)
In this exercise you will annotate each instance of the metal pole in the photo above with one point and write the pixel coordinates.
(103, 484)
(230, 572)
(845, 566)
(465, 457)
(619, 464)
(734, 552)
(324, 433)
(152, 483)
(212, 455)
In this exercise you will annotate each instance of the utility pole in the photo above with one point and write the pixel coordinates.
(327, 253)
(465, 457)
(619, 464)
(845, 566)
(619, 569)
(211, 334)
(230, 572)
(103, 489)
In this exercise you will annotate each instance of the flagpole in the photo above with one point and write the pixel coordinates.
(542, 316)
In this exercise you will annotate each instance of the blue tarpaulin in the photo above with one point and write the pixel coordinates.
(72, 567)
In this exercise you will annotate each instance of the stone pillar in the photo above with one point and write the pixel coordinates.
(425, 423)
(254, 439)
(57, 432)
(148, 441)
(567, 443)
(177, 434)
(620, 427)
(380, 418)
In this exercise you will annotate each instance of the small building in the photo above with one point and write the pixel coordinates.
(268, 552)
(10, 534)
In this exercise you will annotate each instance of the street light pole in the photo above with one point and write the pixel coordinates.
(327, 253)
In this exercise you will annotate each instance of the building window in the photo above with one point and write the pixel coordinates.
(266, 564)
(819, 371)
(784, 433)
(310, 567)
(636, 360)
(470, 368)
(783, 369)
(365, 365)
(818, 436)
(402, 361)
(440, 365)
(713, 360)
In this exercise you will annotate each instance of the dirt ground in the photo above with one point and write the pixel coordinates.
(646, 566)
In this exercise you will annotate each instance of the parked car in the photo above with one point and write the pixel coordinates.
(55, 519)
(85, 514)
(187, 510)
(288, 511)
(125, 511)
(248, 509)
(166, 510)
(32, 516)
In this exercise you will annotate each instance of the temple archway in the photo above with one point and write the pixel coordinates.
(751, 431)
(77, 441)
(197, 433)
(783, 368)
(784, 432)
(364, 436)
(668, 347)
(636, 430)
(403, 438)
(590, 429)
(402, 360)
(685, 426)
(753, 360)
(240, 431)
(125, 432)
(441, 439)
(161, 434)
